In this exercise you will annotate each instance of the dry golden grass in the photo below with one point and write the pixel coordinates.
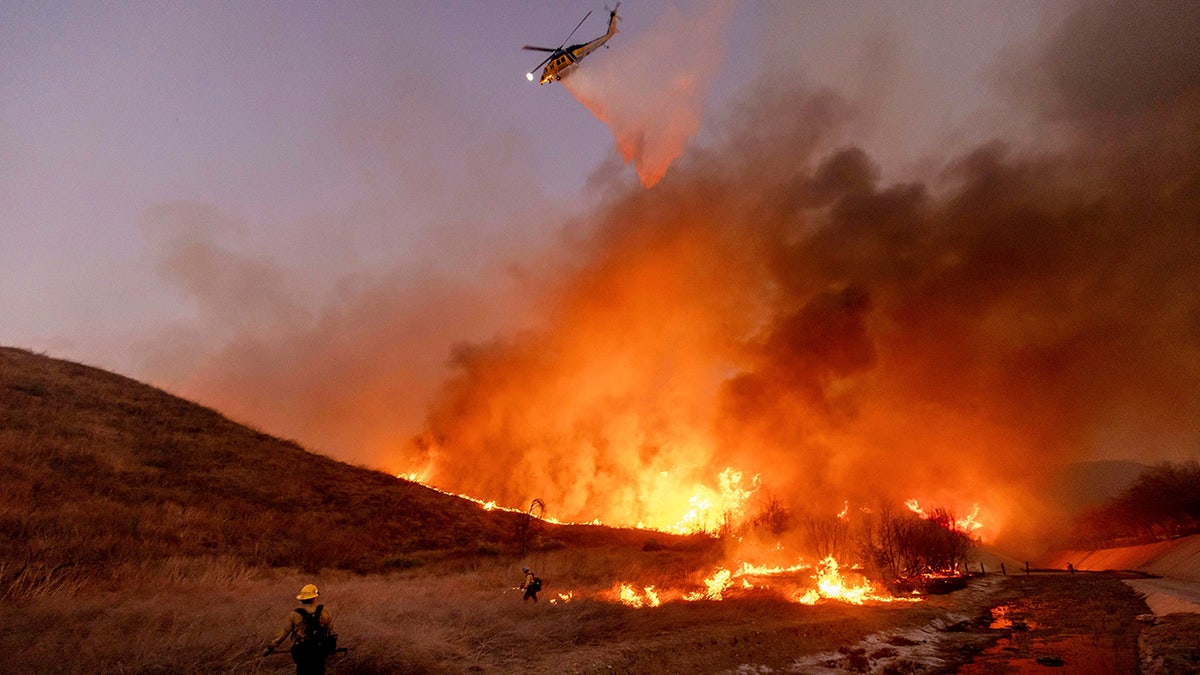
(214, 616)
(100, 474)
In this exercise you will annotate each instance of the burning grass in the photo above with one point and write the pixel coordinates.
(426, 621)
(467, 616)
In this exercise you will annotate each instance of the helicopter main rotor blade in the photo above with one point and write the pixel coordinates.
(541, 64)
(539, 49)
(585, 18)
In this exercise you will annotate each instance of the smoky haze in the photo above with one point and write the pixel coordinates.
(773, 306)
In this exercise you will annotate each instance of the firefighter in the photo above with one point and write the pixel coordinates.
(531, 585)
(311, 629)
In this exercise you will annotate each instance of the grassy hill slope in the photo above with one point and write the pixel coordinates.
(100, 472)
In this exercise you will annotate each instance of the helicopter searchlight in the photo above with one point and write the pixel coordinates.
(563, 58)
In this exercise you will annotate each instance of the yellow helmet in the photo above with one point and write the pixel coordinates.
(308, 592)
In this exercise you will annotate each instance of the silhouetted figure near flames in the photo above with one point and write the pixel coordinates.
(531, 585)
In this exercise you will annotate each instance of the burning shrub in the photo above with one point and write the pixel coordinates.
(774, 518)
(908, 544)
(827, 536)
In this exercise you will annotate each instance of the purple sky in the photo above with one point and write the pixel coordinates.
(320, 149)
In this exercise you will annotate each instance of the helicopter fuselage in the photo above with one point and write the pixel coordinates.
(563, 59)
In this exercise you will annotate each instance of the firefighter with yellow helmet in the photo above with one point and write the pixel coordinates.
(310, 628)
(531, 585)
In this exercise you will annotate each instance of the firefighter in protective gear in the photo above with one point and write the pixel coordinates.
(309, 659)
(531, 585)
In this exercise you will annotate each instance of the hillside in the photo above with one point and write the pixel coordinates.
(1173, 558)
(100, 472)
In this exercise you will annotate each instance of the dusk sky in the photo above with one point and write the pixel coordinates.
(361, 139)
(337, 221)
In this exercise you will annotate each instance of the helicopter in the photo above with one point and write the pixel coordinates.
(562, 58)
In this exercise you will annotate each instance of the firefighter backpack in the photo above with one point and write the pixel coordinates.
(317, 640)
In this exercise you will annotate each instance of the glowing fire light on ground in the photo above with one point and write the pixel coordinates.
(489, 505)
(563, 598)
(704, 510)
(832, 586)
(715, 586)
(729, 500)
(748, 569)
(628, 594)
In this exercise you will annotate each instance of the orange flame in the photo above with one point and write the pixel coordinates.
(563, 598)
(629, 595)
(704, 509)
(730, 498)
(762, 570)
(968, 523)
(832, 586)
(715, 586)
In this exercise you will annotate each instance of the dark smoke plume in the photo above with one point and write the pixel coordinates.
(774, 307)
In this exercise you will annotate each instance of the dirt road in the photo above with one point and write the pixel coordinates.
(1053, 623)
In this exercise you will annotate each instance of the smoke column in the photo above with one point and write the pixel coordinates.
(773, 307)
(651, 91)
